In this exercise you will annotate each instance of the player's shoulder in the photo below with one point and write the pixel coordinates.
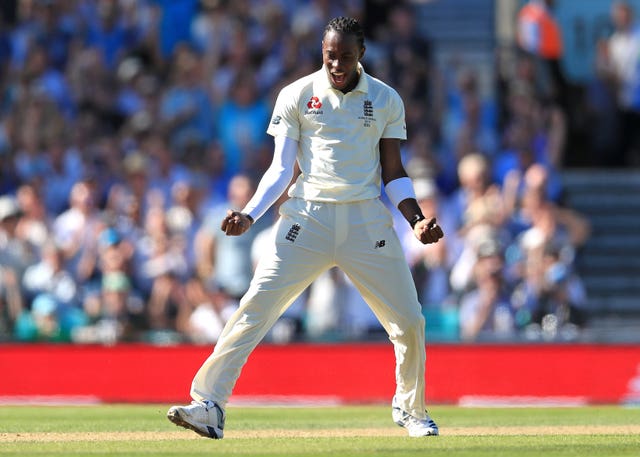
(300, 85)
(380, 87)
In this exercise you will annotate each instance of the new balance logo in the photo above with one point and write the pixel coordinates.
(293, 233)
(380, 244)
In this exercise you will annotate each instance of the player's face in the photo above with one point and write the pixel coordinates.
(340, 55)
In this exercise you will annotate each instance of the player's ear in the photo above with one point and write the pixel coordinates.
(362, 49)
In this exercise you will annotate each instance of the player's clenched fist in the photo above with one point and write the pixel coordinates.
(428, 231)
(235, 223)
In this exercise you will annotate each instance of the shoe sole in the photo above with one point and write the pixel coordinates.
(174, 416)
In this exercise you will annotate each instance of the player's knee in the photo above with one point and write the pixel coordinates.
(411, 325)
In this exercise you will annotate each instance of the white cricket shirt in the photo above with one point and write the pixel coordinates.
(338, 135)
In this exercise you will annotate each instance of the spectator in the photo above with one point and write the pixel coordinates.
(24, 33)
(64, 169)
(131, 78)
(162, 168)
(30, 162)
(486, 310)
(234, 274)
(111, 33)
(56, 31)
(160, 268)
(41, 322)
(119, 303)
(239, 59)
(623, 66)
(539, 34)
(240, 127)
(602, 110)
(173, 28)
(136, 168)
(475, 192)
(273, 46)
(547, 220)
(409, 54)
(185, 109)
(524, 147)
(15, 257)
(48, 276)
(104, 168)
(9, 180)
(551, 297)
(44, 79)
(93, 85)
(54, 297)
(204, 313)
(76, 230)
(184, 218)
(34, 226)
(468, 109)
(212, 31)
(474, 236)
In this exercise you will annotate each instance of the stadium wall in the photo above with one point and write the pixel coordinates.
(324, 374)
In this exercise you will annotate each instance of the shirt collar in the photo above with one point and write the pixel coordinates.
(322, 82)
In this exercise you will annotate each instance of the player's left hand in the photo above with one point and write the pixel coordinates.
(235, 223)
(428, 231)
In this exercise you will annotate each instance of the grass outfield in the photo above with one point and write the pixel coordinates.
(134, 430)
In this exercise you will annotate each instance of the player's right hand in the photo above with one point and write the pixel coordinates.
(428, 231)
(235, 223)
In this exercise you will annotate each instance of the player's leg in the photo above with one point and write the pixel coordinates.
(274, 288)
(374, 260)
(299, 255)
(393, 299)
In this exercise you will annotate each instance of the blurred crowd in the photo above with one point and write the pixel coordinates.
(128, 127)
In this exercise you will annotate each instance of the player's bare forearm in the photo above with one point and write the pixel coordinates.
(425, 229)
(235, 223)
(390, 160)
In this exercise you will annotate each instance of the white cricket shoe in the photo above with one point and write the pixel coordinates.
(416, 427)
(206, 418)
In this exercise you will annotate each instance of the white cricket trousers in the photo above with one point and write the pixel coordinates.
(310, 238)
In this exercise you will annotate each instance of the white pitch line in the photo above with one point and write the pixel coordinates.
(321, 433)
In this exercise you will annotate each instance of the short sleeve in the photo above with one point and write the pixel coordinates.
(284, 120)
(396, 126)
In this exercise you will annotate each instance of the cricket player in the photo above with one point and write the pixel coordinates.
(343, 127)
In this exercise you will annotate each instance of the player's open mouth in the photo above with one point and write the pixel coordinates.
(338, 79)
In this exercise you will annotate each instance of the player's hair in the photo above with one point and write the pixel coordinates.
(346, 25)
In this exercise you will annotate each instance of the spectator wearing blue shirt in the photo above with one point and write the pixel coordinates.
(174, 25)
(241, 127)
(111, 33)
(42, 79)
(185, 108)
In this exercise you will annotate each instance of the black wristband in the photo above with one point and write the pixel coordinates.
(415, 219)
(249, 217)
